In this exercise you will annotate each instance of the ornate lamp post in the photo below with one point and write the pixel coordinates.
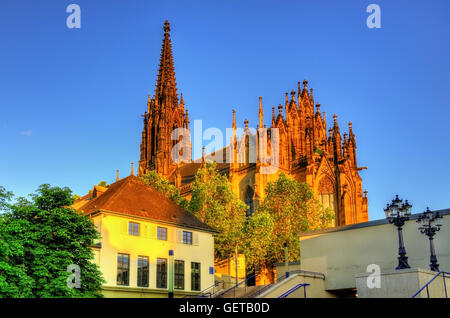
(397, 213)
(429, 224)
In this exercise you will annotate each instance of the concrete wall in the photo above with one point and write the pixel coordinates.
(115, 239)
(403, 284)
(341, 253)
(315, 290)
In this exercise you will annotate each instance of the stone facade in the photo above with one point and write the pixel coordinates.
(308, 150)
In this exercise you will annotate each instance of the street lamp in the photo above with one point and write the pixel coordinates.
(429, 224)
(397, 213)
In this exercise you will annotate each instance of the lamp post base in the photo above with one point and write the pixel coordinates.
(434, 266)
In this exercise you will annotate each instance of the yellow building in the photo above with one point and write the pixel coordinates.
(139, 228)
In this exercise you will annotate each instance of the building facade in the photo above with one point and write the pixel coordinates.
(149, 245)
(308, 149)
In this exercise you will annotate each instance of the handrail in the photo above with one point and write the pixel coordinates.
(260, 291)
(281, 278)
(203, 292)
(426, 285)
(293, 289)
(315, 274)
(235, 286)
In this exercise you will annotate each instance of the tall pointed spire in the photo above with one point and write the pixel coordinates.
(165, 86)
(261, 113)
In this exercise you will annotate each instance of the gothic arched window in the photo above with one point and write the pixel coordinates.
(249, 200)
(327, 194)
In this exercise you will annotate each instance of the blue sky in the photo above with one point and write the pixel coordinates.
(71, 99)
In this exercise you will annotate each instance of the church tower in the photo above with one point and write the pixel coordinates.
(165, 112)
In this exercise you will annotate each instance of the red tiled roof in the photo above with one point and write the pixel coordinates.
(131, 196)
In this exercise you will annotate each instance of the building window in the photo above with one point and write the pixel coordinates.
(161, 273)
(162, 233)
(179, 275)
(187, 237)
(133, 228)
(123, 269)
(249, 200)
(142, 273)
(195, 276)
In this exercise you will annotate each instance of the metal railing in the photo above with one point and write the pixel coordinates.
(262, 290)
(313, 274)
(293, 289)
(286, 275)
(235, 286)
(431, 280)
(205, 293)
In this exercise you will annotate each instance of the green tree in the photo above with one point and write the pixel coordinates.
(5, 196)
(214, 203)
(39, 240)
(103, 184)
(288, 209)
(153, 179)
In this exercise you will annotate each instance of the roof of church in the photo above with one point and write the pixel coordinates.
(131, 196)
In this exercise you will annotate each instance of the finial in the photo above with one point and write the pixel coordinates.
(117, 175)
(305, 84)
(298, 87)
(292, 94)
(318, 107)
(234, 119)
(350, 127)
(132, 169)
(365, 193)
(261, 113)
(148, 103)
(280, 108)
(287, 98)
(335, 118)
(166, 27)
(204, 155)
(246, 123)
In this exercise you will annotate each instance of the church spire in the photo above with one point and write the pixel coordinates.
(166, 89)
(261, 113)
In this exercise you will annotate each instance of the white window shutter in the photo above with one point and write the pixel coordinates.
(195, 238)
(153, 230)
(124, 227)
(171, 235)
(145, 230)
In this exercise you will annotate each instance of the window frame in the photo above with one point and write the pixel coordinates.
(185, 236)
(141, 271)
(132, 227)
(178, 277)
(159, 232)
(196, 277)
(160, 275)
(122, 268)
